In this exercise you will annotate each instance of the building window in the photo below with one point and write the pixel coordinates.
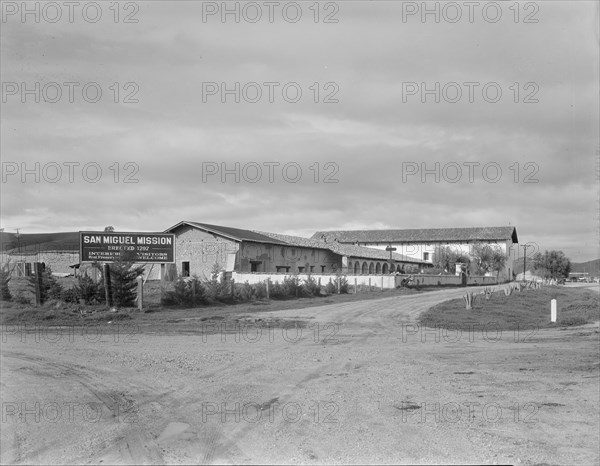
(323, 268)
(300, 269)
(254, 265)
(312, 268)
(282, 268)
(425, 256)
(185, 269)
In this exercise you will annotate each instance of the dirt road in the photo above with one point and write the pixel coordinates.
(344, 383)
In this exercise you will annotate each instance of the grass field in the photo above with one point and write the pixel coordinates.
(528, 308)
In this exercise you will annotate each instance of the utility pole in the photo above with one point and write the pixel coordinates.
(524, 259)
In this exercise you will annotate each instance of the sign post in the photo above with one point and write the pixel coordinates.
(107, 289)
(38, 283)
(553, 310)
(140, 293)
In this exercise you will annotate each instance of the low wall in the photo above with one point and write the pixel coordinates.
(449, 280)
(379, 281)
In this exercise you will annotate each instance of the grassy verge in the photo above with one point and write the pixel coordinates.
(525, 309)
(59, 313)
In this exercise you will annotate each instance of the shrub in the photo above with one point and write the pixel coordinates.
(293, 287)
(244, 292)
(331, 288)
(20, 298)
(88, 290)
(311, 286)
(5, 294)
(70, 296)
(343, 284)
(217, 288)
(278, 291)
(186, 292)
(260, 290)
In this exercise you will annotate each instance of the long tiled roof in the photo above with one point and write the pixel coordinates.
(233, 233)
(348, 250)
(420, 235)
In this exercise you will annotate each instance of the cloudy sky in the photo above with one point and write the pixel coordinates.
(296, 117)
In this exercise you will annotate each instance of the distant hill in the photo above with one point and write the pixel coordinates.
(31, 242)
(591, 267)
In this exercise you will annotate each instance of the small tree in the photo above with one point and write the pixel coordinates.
(5, 294)
(445, 259)
(552, 264)
(216, 287)
(123, 277)
(487, 258)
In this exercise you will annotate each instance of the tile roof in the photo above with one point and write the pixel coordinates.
(421, 235)
(237, 234)
(342, 249)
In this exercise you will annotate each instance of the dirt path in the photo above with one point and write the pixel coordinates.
(360, 382)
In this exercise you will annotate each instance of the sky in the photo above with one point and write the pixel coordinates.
(294, 117)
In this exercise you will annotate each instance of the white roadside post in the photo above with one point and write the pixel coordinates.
(553, 310)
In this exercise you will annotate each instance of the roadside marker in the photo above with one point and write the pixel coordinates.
(553, 310)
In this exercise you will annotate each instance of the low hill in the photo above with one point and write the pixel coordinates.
(591, 267)
(29, 242)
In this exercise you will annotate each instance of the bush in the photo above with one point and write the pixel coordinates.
(278, 291)
(86, 289)
(20, 298)
(331, 288)
(292, 287)
(260, 290)
(244, 292)
(312, 287)
(217, 288)
(5, 294)
(70, 296)
(343, 285)
(187, 292)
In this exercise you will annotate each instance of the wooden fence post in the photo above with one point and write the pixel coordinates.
(38, 283)
(140, 292)
(355, 285)
(268, 294)
(339, 284)
(107, 290)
